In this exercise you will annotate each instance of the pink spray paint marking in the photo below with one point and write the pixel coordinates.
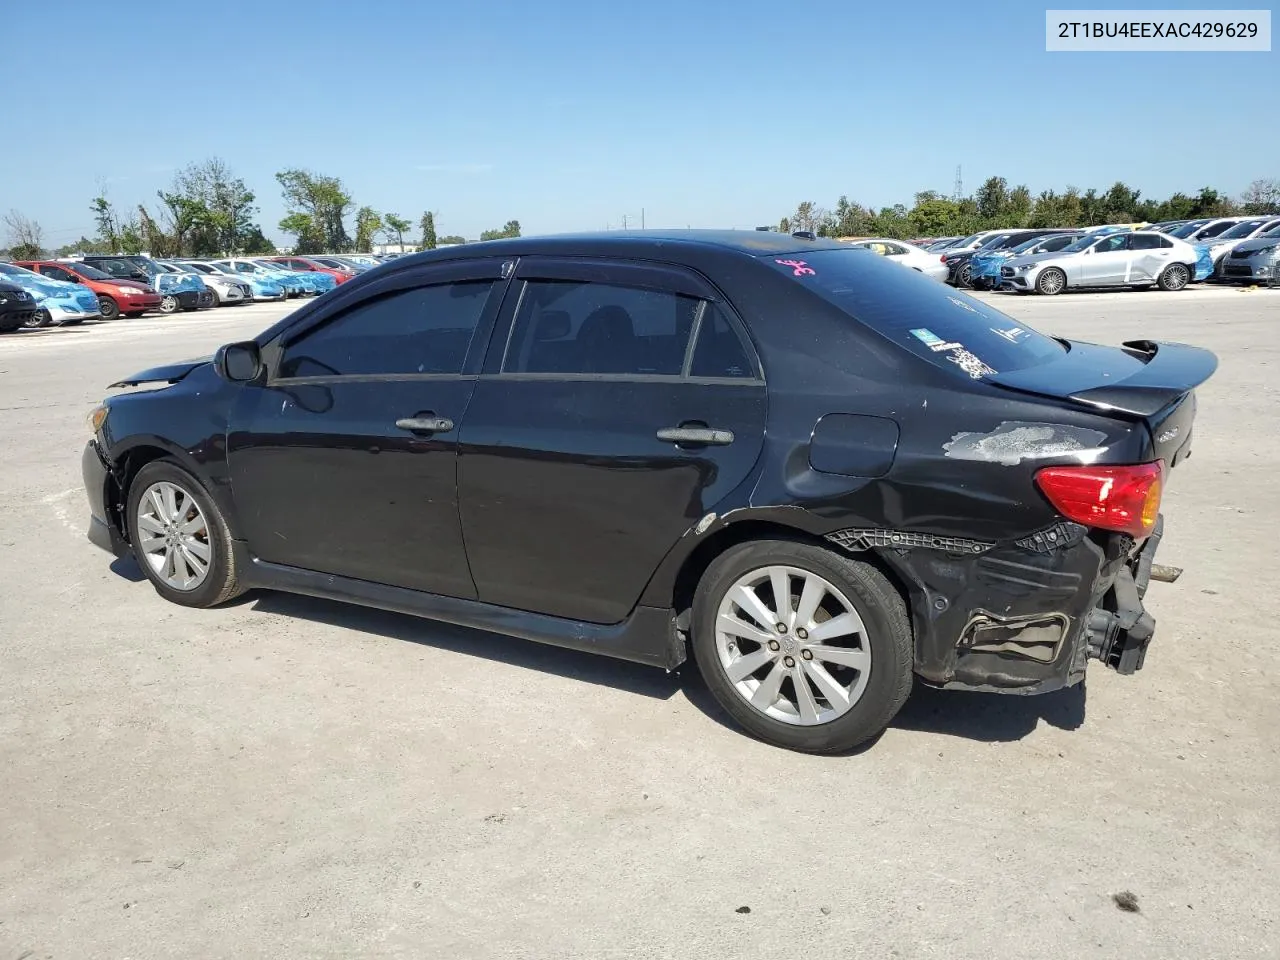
(798, 267)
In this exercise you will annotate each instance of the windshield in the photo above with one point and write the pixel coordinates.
(1272, 232)
(946, 327)
(1187, 229)
(88, 272)
(991, 243)
(271, 265)
(1026, 245)
(968, 241)
(1241, 230)
(1080, 243)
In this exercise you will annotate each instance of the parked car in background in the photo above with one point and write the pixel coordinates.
(947, 494)
(1124, 259)
(1200, 231)
(337, 263)
(295, 284)
(58, 302)
(227, 288)
(959, 270)
(311, 265)
(177, 290)
(17, 307)
(984, 265)
(1165, 226)
(1254, 261)
(206, 299)
(132, 298)
(908, 255)
(1243, 230)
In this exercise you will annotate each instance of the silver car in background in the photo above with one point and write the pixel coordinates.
(1223, 243)
(907, 254)
(1141, 258)
(1254, 261)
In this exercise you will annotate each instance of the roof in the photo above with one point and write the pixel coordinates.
(635, 242)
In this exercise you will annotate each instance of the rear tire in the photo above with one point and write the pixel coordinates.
(964, 276)
(1174, 277)
(216, 300)
(875, 675)
(168, 303)
(1051, 282)
(40, 318)
(218, 582)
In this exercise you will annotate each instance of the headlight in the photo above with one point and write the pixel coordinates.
(128, 291)
(97, 417)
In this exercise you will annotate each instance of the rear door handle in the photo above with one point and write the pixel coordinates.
(702, 436)
(426, 424)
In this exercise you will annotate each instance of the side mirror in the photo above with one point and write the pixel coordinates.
(238, 362)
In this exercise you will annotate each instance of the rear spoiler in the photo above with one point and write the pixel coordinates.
(1170, 372)
(1109, 379)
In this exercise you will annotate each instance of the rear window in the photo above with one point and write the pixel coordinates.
(933, 321)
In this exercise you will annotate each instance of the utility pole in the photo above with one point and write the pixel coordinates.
(642, 218)
(959, 189)
(624, 221)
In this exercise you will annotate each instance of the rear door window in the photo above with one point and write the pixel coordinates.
(586, 327)
(945, 326)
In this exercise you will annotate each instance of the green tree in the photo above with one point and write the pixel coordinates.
(83, 245)
(131, 240)
(428, 224)
(512, 229)
(368, 223)
(992, 197)
(104, 216)
(396, 226)
(253, 243)
(451, 240)
(319, 204)
(933, 216)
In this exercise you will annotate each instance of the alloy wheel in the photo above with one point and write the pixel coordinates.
(174, 536)
(168, 303)
(1052, 282)
(792, 645)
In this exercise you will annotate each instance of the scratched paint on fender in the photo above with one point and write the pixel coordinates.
(1016, 440)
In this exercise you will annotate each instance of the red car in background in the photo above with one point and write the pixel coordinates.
(115, 296)
(307, 265)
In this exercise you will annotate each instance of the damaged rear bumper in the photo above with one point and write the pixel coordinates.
(1022, 617)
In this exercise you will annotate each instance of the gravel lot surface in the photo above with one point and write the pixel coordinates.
(287, 777)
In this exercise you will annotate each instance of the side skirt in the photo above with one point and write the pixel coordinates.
(647, 636)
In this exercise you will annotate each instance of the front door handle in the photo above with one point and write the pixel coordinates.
(701, 436)
(426, 424)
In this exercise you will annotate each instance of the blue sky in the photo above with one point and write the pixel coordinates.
(569, 115)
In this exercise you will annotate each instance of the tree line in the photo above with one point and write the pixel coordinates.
(208, 211)
(995, 205)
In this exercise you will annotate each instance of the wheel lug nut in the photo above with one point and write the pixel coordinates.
(774, 645)
(782, 628)
(789, 661)
(807, 654)
(802, 633)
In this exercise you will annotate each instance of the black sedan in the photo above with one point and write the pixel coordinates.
(815, 472)
(17, 307)
(959, 268)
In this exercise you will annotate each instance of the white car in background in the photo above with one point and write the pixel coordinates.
(907, 254)
(1248, 229)
(1141, 258)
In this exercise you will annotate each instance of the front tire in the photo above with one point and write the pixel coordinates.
(179, 537)
(1051, 282)
(108, 308)
(1174, 277)
(168, 303)
(41, 318)
(964, 276)
(833, 667)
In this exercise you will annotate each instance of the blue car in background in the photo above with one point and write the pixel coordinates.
(57, 302)
(177, 290)
(319, 282)
(294, 284)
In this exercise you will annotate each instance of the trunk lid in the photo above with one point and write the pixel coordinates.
(1145, 380)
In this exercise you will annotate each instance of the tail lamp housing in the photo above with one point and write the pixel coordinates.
(1121, 498)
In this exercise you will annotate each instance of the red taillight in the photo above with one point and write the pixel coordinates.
(943, 258)
(1110, 498)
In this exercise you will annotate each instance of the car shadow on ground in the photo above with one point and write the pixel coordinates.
(575, 665)
(990, 718)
